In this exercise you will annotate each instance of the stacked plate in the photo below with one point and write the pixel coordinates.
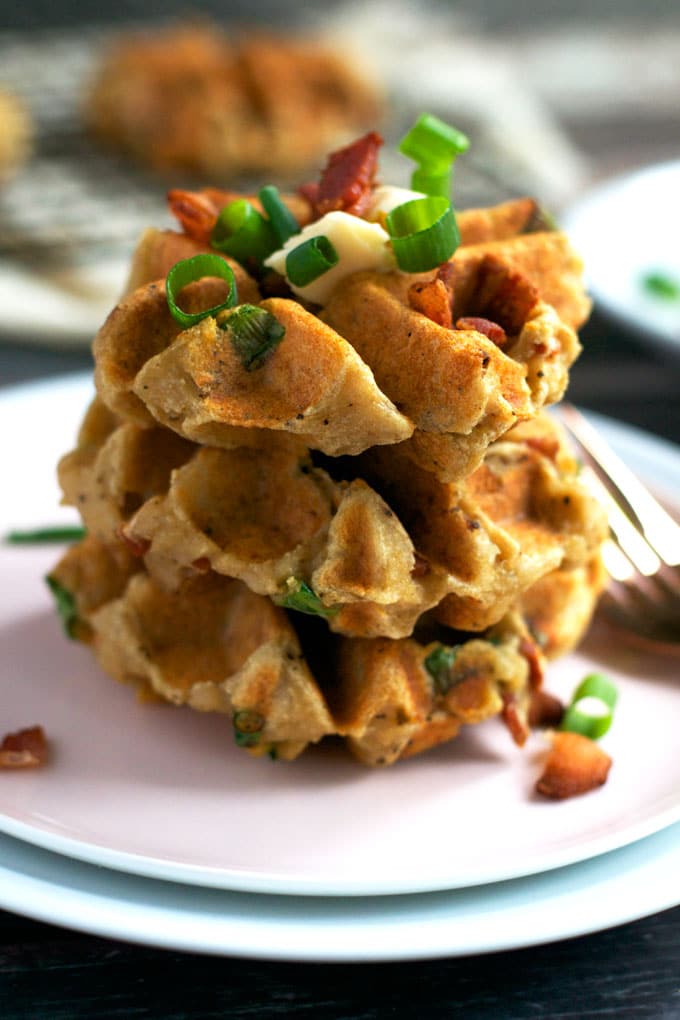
(147, 824)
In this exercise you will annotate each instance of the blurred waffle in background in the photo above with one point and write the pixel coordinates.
(549, 112)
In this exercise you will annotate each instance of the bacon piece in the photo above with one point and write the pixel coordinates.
(545, 710)
(530, 650)
(197, 211)
(503, 294)
(24, 749)
(548, 446)
(137, 546)
(514, 719)
(432, 299)
(421, 567)
(574, 765)
(201, 565)
(492, 330)
(347, 179)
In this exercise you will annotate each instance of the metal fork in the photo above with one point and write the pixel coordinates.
(642, 553)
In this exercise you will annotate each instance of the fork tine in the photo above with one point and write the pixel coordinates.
(660, 530)
(630, 541)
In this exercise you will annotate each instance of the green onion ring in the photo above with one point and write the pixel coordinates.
(432, 182)
(310, 260)
(433, 144)
(242, 232)
(424, 233)
(187, 271)
(281, 219)
(577, 719)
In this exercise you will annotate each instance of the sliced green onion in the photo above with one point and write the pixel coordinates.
(41, 536)
(433, 143)
(661, 285)
(310, 260)
(281, 219)
(254, 333)
(66, 605)
(439, 664)
(424, 233)
(248, 726)
(242, 232)
(187, 271)
(432, 182)
(301, 598)
(592, 707)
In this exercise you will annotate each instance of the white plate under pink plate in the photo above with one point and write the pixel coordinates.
(162, 792)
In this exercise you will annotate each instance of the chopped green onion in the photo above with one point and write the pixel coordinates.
(187, 271)
(424, 233)
(438, 664)
(433, 143)
(242, 232)
(248, 726)
(45, 535)
(301, 598)
(281, 219)
(254, 333)
(592, 707)
(662, 285)
(310, 260)
(66, 605)
(435, 182)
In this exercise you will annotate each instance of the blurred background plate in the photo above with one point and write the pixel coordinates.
(627, 230)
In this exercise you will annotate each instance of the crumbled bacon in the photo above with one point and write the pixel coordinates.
(530, 650)
(492, 330)
(347, 179)
(503, 294)
(574, 765)
(197, 211)
(421, 567)
(24, 749)
(137, 546)
(432, 299)
(548, 446)
(545, 710)
(514, 719)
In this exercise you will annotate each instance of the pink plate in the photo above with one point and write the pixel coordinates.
(162, 792)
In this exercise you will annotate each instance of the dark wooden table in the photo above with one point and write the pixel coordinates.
(48, 973)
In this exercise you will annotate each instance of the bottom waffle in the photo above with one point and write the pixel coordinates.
(285, 681)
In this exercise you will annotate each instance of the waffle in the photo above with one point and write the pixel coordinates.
(192, 98)
(376, 534)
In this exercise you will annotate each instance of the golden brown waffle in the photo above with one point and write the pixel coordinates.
(192, 98)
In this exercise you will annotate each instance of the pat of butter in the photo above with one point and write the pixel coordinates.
(386, 198)
(359, 244)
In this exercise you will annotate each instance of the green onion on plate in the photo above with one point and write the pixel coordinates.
(591, 710)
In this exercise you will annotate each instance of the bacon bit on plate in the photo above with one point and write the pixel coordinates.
(545, 710)
(492, 330)
(347, 178)
(575, 764)
(24, 749)
(432, 299)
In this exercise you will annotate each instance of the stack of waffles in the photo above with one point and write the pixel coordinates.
(378, 534)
